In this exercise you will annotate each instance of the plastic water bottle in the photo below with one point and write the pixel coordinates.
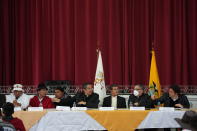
(130, 104)
(74, 104)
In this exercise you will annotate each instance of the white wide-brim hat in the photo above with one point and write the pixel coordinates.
(18, 87)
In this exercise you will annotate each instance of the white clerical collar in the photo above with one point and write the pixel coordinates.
(113, 97)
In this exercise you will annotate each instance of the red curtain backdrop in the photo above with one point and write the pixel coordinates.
(57, 40)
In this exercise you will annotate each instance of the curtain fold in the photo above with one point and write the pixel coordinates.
(57, 40)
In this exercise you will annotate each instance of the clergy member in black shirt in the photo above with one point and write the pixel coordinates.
(139, 98)
(62, 98)
(87, 98)
(173, 98)
(114, 100)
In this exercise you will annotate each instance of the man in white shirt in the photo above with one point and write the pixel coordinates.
(17, 97)
(114, 100)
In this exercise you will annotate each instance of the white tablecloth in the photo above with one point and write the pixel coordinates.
(80, 120)
(67, 121)
(161, 119)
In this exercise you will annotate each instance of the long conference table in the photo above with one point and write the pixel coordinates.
(116, 120)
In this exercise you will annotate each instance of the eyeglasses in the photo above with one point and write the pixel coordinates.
(89, 88)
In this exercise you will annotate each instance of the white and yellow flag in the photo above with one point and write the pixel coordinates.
(99, 83)
(154, 84)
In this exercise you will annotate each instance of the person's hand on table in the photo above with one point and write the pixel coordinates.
(82, 103)
(136, 104)
(179, 105)
(55, 100)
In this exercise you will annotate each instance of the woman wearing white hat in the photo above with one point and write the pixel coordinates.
(17, 97)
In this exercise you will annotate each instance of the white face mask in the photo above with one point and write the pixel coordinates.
(136, 93)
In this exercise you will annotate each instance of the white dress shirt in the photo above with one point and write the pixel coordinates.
(23, 100)
(114, 101)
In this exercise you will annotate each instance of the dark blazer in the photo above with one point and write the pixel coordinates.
(168, 102)
(143, 100)
(121, 103)
(92, 101)
(65, 101)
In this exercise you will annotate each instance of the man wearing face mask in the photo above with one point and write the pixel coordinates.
(139, 98)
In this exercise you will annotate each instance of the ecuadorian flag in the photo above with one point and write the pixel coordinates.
(154, 84)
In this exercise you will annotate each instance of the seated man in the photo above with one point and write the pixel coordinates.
(139, 98)
(61, 98)
(41, 100)
(18, 97)
(87, 98)
(8, 110)
(114, 100)
(173, 98)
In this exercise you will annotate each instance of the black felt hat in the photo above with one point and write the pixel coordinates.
(189, 120)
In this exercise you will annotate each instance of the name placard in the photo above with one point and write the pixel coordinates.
(166, 109)
(106, 108)
(79, 108)
(35, 108)
(17, 109)
(137, 108)
(62, 108)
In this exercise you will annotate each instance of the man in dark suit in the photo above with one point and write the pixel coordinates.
(114, 100)
(87, 98)
(62, 98)
(173, 98)
(139, 98)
